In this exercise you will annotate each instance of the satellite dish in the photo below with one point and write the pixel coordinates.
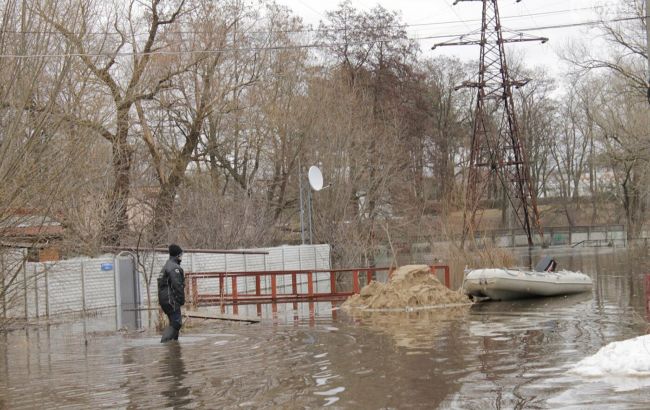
(315, 178)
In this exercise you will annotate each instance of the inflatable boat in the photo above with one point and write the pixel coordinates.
(515, 283)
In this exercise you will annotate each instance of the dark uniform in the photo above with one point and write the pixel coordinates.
(171, 292)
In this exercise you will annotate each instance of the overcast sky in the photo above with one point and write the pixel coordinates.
(427, 18)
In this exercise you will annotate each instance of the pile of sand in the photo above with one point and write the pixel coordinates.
(410, 286)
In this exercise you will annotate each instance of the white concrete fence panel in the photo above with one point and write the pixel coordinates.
(51, 288)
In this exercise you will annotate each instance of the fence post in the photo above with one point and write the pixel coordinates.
(234, 289)
(332, 282)
(36, 292)
(266, 280)
(47, 292)
(355, 281)
(221, 290)
(195, 292)
(4, 290)
(187, 289)
(310, 284)
(318, 275)
(274, 289)
(24, 268)
(83, 287)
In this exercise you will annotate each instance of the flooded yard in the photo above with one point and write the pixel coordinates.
(489, 355)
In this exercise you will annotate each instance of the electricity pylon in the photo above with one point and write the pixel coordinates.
(497, 152)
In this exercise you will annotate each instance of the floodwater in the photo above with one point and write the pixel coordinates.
(490, 355)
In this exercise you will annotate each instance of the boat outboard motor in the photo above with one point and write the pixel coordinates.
(546, 264)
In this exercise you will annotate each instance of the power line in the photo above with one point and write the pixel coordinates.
(298, 46)
(314, 30)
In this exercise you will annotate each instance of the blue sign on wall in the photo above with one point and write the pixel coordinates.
(107, 266)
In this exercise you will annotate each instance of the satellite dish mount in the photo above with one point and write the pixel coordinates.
(315, 178)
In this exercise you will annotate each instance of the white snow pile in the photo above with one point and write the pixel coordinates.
(625, 358)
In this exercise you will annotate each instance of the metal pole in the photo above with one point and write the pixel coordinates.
(36, 290)
(302, 209)
(47, 293)
(309, 214)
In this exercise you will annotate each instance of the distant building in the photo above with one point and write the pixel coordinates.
(40, 234)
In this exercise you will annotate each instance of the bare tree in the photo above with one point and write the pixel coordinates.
(124, 81)
(34, 155)
(622, 113)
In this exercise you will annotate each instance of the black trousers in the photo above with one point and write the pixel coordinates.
(175, 322)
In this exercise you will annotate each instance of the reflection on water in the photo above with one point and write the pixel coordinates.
(420, 329)
(492, 355)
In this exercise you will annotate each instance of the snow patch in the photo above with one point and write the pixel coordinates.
(628, 358)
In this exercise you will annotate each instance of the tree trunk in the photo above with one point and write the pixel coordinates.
(116, 219)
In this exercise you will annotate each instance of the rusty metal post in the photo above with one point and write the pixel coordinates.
(187, 289)
(234, 289)
(221, 291)
(195, 292)
(274, 288)
(310, 284)
(332, 282)
(355, 281)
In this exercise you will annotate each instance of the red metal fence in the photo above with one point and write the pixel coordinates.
(231, 295)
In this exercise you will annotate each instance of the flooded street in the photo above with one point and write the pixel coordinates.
(490, 355)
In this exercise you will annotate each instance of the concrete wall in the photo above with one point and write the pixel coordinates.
(51, 288)
(281, 258)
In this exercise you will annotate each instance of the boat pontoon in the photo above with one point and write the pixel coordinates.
(515, 283)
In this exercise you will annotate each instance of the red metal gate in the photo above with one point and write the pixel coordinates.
(230, 295)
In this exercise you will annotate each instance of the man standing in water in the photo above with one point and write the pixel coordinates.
(171, 292)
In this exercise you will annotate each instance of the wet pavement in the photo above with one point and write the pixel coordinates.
(490, 355)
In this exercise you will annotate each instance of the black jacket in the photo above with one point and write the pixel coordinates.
(171, 285)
